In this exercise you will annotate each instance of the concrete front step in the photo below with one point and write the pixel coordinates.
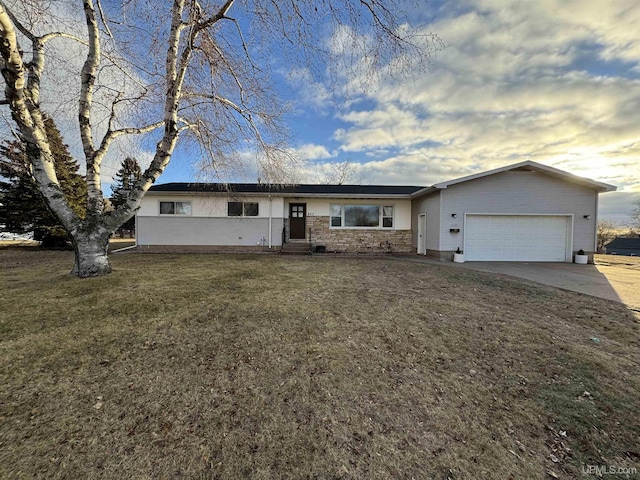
(296, 249)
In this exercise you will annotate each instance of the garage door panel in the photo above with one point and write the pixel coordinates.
(515, 238)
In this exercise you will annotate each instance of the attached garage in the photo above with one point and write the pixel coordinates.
(526, 212)
(518, 238)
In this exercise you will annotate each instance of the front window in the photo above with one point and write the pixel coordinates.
(250, 209)
(234, 209)
(361, 216)
(242, 209)
(175, 208)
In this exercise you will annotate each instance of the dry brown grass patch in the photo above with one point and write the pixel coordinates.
(212, 366)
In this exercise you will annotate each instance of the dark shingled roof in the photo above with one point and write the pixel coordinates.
(300, 189)
(624, 243)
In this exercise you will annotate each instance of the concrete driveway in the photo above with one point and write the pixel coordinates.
(614, 278)
(613, 281)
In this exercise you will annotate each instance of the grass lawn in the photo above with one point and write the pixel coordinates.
(266, 367)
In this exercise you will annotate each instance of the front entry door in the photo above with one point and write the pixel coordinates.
(297, 220)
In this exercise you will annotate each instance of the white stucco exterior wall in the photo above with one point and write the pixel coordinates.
(208, 224)
(209, 205)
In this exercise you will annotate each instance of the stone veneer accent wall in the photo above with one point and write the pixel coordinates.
(356, 240)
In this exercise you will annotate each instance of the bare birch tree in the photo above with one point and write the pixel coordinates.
(339, 173)
(605, 232)
(183, 70)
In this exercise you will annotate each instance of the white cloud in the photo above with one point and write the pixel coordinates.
(612, 23)
(545, 81)
(309, 93)
(311, 151)
(386, 126)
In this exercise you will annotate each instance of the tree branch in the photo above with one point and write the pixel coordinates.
(88, 79)
(235, 77)
(165, 146)
(244, 113)
(111, 135)
(176, 68)
(220, 14)
(23, 30)
(36, 66)
(103, 18)
(52, 35)
(13, 69)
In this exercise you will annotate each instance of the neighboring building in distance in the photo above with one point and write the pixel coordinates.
(623, 246)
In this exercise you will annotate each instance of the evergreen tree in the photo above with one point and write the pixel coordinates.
(22, 204)
(125, 181)
(23, 207)
(72, 183)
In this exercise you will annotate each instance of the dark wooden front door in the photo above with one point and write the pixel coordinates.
(297, 220)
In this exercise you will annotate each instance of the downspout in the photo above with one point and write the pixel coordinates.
(135, 242)
(595, 227)
(270, 220)
(125, 248)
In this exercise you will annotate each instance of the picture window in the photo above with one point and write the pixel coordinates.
(361, 216)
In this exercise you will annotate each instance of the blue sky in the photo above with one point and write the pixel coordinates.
(553, 81)
(556, 82)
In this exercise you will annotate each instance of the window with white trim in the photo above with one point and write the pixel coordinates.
(175, 208)
(336, 215)
(387, 216)
(242, 209)
(361, 216)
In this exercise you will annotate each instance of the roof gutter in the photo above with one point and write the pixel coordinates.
(405, 196)
(426, 191)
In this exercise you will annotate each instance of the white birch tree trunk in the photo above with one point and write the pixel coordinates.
(89, 236)
(91, 254)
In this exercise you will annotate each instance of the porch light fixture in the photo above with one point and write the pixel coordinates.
(586, 217)
(454, 215)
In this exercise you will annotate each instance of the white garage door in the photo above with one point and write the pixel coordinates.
(516, 238)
